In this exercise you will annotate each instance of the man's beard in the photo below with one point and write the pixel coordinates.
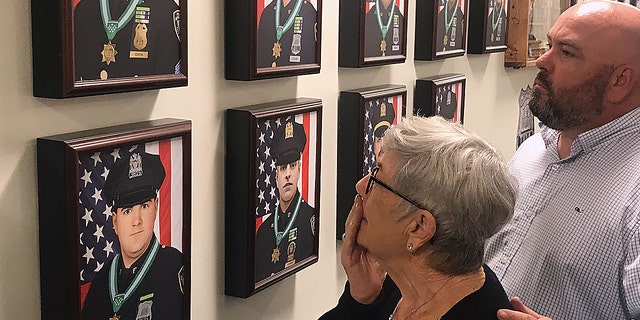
(570, 107)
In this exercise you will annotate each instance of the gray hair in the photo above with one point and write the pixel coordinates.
(458, 177)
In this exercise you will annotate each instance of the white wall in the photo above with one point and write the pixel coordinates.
(491, 110)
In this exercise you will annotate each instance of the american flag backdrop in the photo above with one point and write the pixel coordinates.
(261, 4)
(492, 3)
(267, 196)
(441, 91)
(368, 156)
(98, 243)
(399, 5)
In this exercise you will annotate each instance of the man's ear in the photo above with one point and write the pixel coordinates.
(114, 218)
(622, 83)
(421, 229)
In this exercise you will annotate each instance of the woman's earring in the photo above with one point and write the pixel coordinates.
(410, 246)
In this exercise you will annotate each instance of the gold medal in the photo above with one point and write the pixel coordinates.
(276, 49)
(109, 53)
(492, 36)
(104, 75)
(383, 47)
(140, 39)
(115, 317)
(275, 256)
(445, 40)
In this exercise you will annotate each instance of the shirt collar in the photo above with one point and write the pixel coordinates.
(594, 138)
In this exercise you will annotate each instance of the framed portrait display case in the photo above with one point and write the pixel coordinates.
(488, 26)
(115, 221)
(271, 38)
(372, 32)
(441, 95)
(91, 47)
(272, 192)
(363, 117)
(440, 29)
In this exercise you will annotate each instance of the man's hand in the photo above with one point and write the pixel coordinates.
(523, 314)
(363, 271)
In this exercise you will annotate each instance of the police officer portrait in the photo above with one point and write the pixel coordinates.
(379, 115)
(496, 34)
(120, 38)
(448, 103)
(131, 227)
(384, 28)
(450, 26)
(286, 194)
(287, 33)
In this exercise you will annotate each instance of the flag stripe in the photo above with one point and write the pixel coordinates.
(177, 165)
(313, 147)
(305, 158)
(165, 194)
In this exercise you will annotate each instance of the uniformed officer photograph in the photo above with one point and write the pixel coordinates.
(287, 231)
(138, 278)
(120, 38)
(380, 114)
(384, 28)
(287, 33)
(496, 34)
(447, 103)
(450, 26)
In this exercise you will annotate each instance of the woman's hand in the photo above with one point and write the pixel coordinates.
(363, 271)
(522, 313)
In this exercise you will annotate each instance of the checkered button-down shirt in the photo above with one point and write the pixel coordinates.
(572, 249)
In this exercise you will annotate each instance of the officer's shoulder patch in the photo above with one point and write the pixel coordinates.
(181, 279)
(176, 23)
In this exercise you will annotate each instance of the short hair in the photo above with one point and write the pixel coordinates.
(461, 179)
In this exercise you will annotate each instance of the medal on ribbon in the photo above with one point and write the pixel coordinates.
(118, 299)
(281, 29)
(385, 28)
(448, 22)
(111, 27)
(275, 257)
(495, 22)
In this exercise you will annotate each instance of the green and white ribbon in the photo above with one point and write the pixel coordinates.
(448, 23)
(113, 26)
(494, 21)
(281, 235)
(280, 30)
(384, 29)
(118, 299)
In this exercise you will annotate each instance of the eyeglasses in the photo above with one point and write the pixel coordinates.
(372, 179)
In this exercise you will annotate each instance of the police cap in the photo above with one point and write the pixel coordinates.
(133, 180)
(288, 142)
(382, 118)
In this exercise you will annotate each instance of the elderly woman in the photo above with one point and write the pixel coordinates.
(422, 216)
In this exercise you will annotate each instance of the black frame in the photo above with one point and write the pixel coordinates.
(240, 189)
(54, 60)
(241, 44)
(58, 197)
(426, 95)
(427, 38)
(480, 40)
(352, 46)
(352, 120)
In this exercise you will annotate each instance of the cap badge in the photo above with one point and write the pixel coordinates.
(383, 110)
(288, 130)
(135, 166)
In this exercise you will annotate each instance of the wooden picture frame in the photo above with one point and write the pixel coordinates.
(440, 36)
(90, 185)
(372, 33)
(255, 50)
(363, 117)
(272, 192)
(73, 54)
(488, 21)
(441, 95)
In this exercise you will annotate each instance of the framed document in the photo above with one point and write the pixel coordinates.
(441, 95)
(115, 221)
(272, 193)
(91, 47)
(488, 26)
(272, 38)
(363, 117)
(440, 29)
(372, 32)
